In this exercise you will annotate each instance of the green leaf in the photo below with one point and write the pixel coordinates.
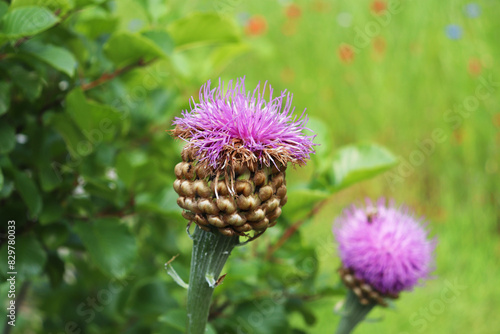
(6, 190)
(95, 21)
(150, 297)
(1, 179)
(27, 21)
(29, 192)
(223, 55)
(54, 235)
(78, 146)
(54, 269)
(162, 39)
(302, 201)
(356, 163)
(52, 211)
(126, 48)
(3, 9)
(263, 316)
(30, 257)
(176, 318)
(110, 245)
(4, 97)
(323, 157)
(62, 5)
(57, 57)
(49, 175)
(97, 122)
(162, 201)
(7, 138)
(298, 305)
(203, 28)
(29, 82)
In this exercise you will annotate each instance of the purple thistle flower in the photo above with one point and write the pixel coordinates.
(385, 246)
(225, 128)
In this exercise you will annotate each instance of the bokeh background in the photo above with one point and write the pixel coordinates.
(88, 89)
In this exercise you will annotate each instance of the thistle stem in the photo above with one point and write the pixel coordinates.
(353, 313)
(210, 252)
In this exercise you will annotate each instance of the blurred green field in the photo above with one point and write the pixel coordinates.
(421, 78)
(397, 97)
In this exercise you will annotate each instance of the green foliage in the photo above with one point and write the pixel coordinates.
(86, 170)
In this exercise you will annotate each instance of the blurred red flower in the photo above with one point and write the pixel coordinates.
(379, 45)
(256, 25)
(346, 53)
(474, 67)
(293, 11)
(378, 6)
(321, 6)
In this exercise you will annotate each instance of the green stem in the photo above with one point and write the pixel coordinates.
(353, 313)
(210, 252)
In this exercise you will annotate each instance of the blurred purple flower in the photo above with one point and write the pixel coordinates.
(454, 31)
(385, 246)
(235, 126)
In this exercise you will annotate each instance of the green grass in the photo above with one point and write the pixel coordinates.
(398, 99)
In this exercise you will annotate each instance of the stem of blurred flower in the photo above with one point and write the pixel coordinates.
(292, 229)
(210, 252)
(353, 313)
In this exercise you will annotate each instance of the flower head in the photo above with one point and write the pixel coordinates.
(385, 246)
(225, 129)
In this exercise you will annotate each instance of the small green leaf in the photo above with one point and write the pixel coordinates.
(176, 318)
(4, 7)
(223, 55)
(203, 28)
(49, 175)
(356, 163)
(110, 245)
(126, 48)
(63, 5)
(29, 82)
(4, 97)
(29, 192)
(30, 257)
(162, 39)
(52, 211)
(54, 235)
(57, 57)
(263, 316)
(98, 122)
(27, 21)
(323, 157)
(302, 201)
(54, 269)
(1, 179)
(150, 297)
(78, 146)
(7, 138)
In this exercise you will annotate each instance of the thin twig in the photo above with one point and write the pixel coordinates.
(292, 229)
(110, 76)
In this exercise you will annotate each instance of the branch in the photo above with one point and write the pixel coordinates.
(99, 81)
(293, 228)
(110, 76)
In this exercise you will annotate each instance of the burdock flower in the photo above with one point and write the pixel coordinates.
(237, 149)
(232, 178)
(384, 250)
